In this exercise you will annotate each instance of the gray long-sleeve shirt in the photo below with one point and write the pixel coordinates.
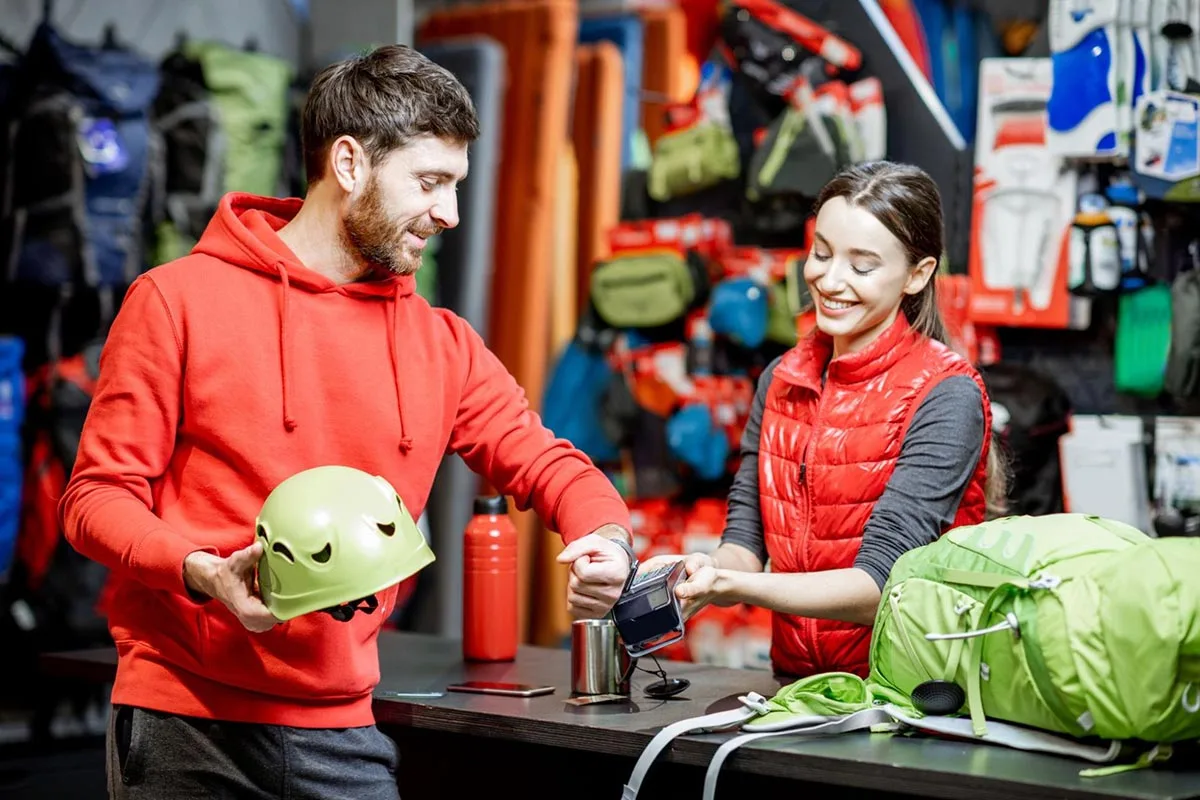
(937, 458)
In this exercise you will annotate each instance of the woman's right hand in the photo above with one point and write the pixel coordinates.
(692, 564)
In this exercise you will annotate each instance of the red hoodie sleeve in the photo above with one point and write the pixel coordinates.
(127, 441)
(499, 437)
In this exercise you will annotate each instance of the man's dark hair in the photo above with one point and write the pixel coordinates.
(384, 99)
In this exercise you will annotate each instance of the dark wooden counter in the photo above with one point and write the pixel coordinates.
(477, 743)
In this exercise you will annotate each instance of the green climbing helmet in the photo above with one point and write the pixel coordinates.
(332, 537)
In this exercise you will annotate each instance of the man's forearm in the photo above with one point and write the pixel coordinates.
(614, 531)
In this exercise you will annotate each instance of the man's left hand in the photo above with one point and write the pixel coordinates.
(599, 569)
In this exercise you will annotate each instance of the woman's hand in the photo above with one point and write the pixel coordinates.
(699, 590)
(691, 563)
(694, 565)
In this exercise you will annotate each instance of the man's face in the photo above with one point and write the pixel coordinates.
(409, 196)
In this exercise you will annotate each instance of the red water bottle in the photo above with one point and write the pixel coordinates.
(490, 607)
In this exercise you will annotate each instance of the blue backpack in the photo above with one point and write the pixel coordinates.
(81, 164)
(12, 416)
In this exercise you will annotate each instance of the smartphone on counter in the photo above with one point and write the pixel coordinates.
(500, 688)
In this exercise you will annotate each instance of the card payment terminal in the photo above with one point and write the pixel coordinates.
(648, 615)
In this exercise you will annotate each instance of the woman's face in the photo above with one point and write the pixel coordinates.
(857, 273)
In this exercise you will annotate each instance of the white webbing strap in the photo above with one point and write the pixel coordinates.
(859, 720)
(752, 705)
(1006, 735)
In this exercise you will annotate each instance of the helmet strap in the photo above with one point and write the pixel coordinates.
(345, 612)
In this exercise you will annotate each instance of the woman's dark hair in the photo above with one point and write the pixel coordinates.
(906, 200)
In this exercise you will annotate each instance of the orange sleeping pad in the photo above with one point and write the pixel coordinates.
(539, 39)
(668, 74)
(596, 134)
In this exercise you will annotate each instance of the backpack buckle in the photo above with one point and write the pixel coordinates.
(755, 702)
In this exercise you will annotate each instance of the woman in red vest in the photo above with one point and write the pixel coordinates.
(870, 437)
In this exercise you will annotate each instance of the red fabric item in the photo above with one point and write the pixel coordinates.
(235, 367)
(825, 458)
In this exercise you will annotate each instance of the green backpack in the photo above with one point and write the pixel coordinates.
(251, 93)
(1064, 633)
(1068, 623)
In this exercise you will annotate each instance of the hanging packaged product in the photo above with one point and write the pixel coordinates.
(1099, 73)
(1172, 31)
(1143, 340)
(1135, 233)
(769, 45)
(870, 117)
(769, 267)
(1095, 254)
(1166, 158)
(1023, 205)
(698, 149)
(654, 372)
(704, 433)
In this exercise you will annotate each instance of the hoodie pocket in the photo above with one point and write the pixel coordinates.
(312, 656)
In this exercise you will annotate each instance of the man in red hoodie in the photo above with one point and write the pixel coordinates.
(289, 338)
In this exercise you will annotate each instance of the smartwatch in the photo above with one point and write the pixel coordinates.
(633, 561)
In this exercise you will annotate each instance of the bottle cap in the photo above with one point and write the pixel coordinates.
(495, 504)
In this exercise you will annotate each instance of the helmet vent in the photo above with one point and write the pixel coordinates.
(386, 528)
(322, 557)
(282, 549)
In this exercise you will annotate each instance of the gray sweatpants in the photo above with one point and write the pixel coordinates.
(157, 756)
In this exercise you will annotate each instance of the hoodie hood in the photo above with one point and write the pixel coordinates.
(243, 233)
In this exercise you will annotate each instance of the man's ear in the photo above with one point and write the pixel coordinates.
(347, 163)
(920, 275)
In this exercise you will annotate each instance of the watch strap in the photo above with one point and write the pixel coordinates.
(633, 562)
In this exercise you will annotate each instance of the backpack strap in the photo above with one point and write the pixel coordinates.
(753, 704)
(866, 719)
(1004, 734)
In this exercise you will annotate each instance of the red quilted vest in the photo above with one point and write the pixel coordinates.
(825, 457)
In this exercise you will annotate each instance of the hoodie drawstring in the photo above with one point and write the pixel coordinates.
(405, 440)
(285, 346)
(285, 356)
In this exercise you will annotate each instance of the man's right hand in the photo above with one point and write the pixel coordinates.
(231, 580)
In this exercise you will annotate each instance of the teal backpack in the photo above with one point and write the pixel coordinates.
(1065, 633)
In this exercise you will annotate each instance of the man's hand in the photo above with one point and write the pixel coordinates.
(599, 569)
(231, 580)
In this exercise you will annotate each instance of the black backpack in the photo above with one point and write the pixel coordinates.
(1030, 412)
(189, 127)
(1182, 377)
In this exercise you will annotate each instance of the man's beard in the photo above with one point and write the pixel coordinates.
(379, 242)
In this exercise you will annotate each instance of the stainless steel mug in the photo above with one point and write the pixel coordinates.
(599, 663)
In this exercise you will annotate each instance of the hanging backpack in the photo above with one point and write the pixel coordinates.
(252, 94)
(81, 164)
(12, 417)
(186, 119)
(1030, 413)
(55, 597)
(1182, 377)
(1065, 633)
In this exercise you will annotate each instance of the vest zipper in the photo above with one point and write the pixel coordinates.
(810, 634)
